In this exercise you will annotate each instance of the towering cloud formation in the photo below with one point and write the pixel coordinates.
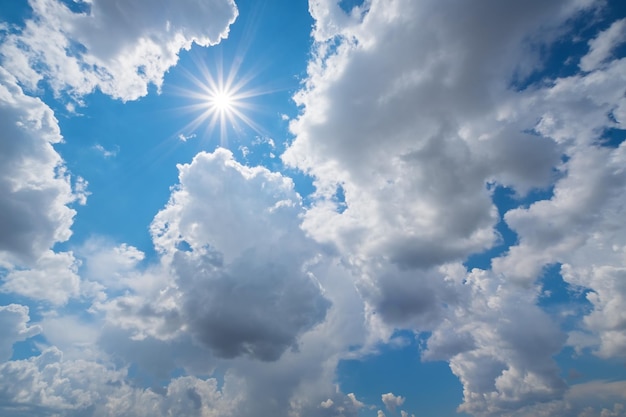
(244, 282)
(413, 114)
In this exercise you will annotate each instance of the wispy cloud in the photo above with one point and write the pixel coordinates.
(107, 153)
(185, 138)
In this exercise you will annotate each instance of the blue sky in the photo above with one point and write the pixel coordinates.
(329, 208)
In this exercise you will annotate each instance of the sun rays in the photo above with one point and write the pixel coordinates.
(220, 101)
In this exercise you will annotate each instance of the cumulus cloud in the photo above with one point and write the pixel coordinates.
(228, 292)
(35, 188)
(589, 399)
(245, 288)
(412, 139)
(48, 384)
(406, 149)
(500, 345)
(14, 319)
(392, 401)
(53, 277)
(119, 47)
(579, 225)
(296, 382)
(113, 266)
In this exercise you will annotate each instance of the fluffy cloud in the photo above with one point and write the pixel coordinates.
(412, 113)
(37, 193)
(52, 278)
(14, 319)
(119, 47)
(34, 186)
(239, 287)
(580, 225)
(590, 399)
(500, 344)
(245, 286)
(412, 139)
(113, 266)
(392, 401)
(48, 384)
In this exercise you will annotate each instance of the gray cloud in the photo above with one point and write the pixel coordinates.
(413, 138)
(34, 186)
(255, 306)
(415, 109)
(245, 288)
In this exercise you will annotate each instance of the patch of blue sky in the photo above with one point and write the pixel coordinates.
(28, 348)
(15, 13)
(348, 5)
(131, 182)
(562, 57)
(612, 137)
(429, 388)
(505, 199)
(578, 367)
(556, 292)
(77, 6)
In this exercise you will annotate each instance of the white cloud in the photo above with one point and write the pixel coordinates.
(589, 399)
(500, 344)
(355, 402)
(113, 266)
(415, 141)
(286, 313)
(50, 385)
(77, 337)
(580, 225)
(297, 382)
(14, 320)
(412, 139)
(119, 48)
(392, 401)
(185, 138)
(601, 47)
(607, 319)
(34, 184)
(53, 277)
(105, 152)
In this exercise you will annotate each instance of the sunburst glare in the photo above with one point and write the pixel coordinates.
(220, 100)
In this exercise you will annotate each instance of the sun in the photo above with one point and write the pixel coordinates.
(221, 101)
